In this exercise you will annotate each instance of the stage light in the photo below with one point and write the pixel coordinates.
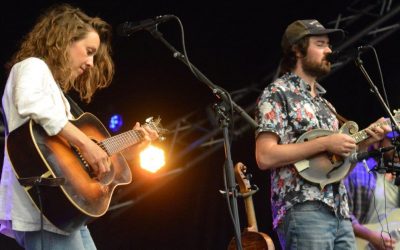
(392, 134)
(152, 159)
(115, 123)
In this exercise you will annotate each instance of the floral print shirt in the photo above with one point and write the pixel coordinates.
(287, 109)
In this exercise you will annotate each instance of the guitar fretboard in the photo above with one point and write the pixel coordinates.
(119, 142)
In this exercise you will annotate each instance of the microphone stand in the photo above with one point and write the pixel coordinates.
(374, 89)
(359, 63)
(221, 111)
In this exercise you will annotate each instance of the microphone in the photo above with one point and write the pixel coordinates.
(356, 157)
(128, 28)
(339, 55)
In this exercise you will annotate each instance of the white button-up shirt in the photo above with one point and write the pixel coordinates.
(30, 93)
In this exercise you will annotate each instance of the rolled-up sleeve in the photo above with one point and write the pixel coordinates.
(270, 112)
(37, 96)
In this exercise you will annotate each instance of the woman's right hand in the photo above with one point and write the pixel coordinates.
(96, 157)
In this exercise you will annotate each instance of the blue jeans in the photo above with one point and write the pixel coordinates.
(313, 225)
(78, 240)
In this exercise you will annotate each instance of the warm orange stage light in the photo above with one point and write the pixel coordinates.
(152, 159)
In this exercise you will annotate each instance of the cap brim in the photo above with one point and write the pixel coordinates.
(335, 35)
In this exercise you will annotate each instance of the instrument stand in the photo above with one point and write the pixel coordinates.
(38, 182)
(232, 192)
(227, 103)
(374, 89)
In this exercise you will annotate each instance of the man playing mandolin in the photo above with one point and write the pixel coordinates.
(304, 215)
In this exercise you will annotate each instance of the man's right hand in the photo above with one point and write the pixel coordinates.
(340, 144)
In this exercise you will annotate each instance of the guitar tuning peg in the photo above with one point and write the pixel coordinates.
(149, 119)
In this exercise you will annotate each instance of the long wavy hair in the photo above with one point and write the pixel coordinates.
(289, 59)
(50, 38)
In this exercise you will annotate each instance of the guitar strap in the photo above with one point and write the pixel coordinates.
(342, 120)
(3, 116)
(338, 116)
(75, 109)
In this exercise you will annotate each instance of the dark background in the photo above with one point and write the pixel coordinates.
(236, 44)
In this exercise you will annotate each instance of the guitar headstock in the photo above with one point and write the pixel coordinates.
(155, 124)
(241, 178)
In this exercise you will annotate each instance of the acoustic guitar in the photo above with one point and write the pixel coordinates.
(251, 238)
(83, 197)
(392, 222)
(326, 168)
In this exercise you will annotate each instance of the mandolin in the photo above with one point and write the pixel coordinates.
(251, 238)
(326, 168)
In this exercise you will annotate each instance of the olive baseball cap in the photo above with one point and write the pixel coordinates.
(301, 28)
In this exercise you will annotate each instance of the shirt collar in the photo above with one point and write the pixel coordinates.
(299, 82)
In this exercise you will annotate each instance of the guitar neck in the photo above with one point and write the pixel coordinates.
(119, 142)
(363, 135)
(251, 216)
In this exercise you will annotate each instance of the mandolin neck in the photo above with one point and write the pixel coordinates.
(363, 135)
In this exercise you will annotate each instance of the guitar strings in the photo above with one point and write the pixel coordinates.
(117, 143)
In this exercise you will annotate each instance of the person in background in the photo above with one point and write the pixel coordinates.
(305, 216)
(374, 195)
(66, 50)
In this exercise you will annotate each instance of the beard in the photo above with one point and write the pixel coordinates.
(316, 69)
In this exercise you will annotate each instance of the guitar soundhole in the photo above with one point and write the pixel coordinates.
(331, 158)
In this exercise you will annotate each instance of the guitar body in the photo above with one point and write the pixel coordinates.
(253, 240)
(81, 198)
(324, 168)
(393, 222)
